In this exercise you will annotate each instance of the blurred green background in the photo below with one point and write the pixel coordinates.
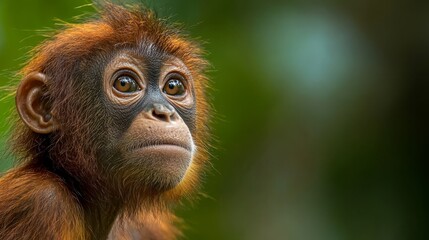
(321, 113)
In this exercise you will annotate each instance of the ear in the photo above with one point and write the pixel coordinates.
(32, 105)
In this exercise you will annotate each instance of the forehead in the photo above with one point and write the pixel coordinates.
(146, 55)
(144, 51)
(148, 50)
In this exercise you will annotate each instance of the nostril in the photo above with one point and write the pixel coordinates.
(163, 113)
(160, 115)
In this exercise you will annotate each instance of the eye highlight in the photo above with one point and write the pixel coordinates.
(126, 84)
(174, 87)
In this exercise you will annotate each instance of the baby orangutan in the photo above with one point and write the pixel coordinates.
(112, 131)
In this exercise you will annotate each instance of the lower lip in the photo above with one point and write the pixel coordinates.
(163, 152)
(164, 156)
(162, 147)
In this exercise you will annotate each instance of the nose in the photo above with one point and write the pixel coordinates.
(163, 113)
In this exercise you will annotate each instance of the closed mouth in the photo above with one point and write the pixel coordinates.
(147, 143)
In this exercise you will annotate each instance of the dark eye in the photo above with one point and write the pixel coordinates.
(174, 87)
(125, 84)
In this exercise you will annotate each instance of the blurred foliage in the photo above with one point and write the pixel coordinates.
(320, 113)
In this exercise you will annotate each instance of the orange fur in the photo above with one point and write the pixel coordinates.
(37, 204)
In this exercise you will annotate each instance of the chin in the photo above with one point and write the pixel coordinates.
(158, 167)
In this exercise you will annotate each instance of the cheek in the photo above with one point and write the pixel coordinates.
(188, 116)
